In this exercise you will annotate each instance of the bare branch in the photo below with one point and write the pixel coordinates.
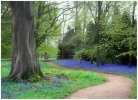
(5, 10)
(42, 38)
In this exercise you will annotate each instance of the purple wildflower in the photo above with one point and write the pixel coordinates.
(87, 65)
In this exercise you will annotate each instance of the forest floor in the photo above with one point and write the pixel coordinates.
(59, 83)
(118, 87)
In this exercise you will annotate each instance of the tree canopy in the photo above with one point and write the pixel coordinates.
(99, 31)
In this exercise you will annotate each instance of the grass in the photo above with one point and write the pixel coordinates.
(134, 89)
(55, 88)
(132, 76)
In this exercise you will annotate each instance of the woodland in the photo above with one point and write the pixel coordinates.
(66, 33)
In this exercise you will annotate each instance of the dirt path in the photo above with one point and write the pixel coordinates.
(118, 87)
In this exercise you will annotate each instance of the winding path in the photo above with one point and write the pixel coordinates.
(118, 87)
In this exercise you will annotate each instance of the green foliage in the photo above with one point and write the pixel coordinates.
(79, 54)
(85, 54)
(123, 35)
(43, 21)
(116, 37)
(49, 49)
(44, 30)
(46, 21)
(114, 33)
(68, 44)
(6, 31)
(57, 88)
(91, 34)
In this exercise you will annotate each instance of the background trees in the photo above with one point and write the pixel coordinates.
(6, 30)
(109, 37)
(102, 32)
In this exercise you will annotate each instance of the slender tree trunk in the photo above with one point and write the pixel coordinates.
(24, 58)
(98, 58)
(98, 32)
(91, 60)
(45, 56)
(133, 13)
(133, 24)
(130, 58)
(64, 23)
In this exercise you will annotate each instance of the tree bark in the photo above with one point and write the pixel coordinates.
(98, 32)
(133, 13)
(24, 58)
(133, 24)
(130, 58)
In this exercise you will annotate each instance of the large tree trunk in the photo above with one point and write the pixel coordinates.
(24, 57)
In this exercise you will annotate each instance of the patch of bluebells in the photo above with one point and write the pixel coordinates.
(104, 67)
